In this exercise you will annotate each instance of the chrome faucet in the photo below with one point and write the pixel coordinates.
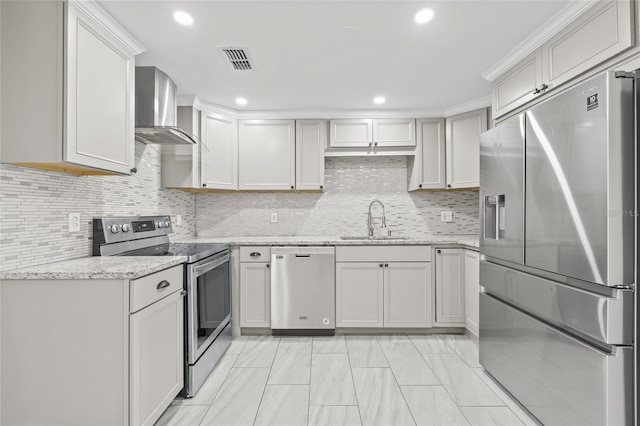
(370, 223)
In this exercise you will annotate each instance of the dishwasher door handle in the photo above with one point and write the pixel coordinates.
(304, 256)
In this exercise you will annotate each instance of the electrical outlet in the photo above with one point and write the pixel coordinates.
(446, 216)
(74, 222)
(274, 217)
(178, 219)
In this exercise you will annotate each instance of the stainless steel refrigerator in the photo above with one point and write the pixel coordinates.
(558, 254)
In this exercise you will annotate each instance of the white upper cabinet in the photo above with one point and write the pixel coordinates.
(519, 85)
(311, 138)
(267, 154)
(219, 153)
(463, 148)
(428, 171)
(372, 133)
(597, 35)
(389, 132)
(351, 133)
(67, 72)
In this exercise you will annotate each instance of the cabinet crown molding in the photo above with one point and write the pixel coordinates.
(539, 37)
(112, 26)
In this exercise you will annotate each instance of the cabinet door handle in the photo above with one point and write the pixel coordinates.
(163, 284)
(375, 144)
(449, 186)
(420, 186)
(381, 265)
(268, 265)
(255, 254)
(535, 92)
(439, 251)
(544, 87)
(386, 265)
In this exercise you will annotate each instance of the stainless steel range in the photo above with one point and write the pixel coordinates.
(206, 280)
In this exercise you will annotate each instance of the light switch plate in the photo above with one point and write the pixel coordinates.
(178, 220)
(274, 217)
(446, 216)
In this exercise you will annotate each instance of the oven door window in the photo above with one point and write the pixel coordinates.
(213, 303)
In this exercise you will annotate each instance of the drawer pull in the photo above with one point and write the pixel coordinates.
(255, 254)
(163, 284)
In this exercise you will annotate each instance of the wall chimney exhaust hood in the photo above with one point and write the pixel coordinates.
(156, 109)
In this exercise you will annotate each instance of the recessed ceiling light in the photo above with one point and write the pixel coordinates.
(241, 101)
(379, 100)
(423, 16)
(183, 18)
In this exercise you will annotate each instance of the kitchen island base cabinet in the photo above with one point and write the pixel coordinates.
(73, 352)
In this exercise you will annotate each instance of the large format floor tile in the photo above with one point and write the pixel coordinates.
(334, 415)
(493, 416)
(431, 344)
(258, 352)
(238, 400)
(331, 382)
(329, 345)
(365, 351)
(284, 405)
(210, 388)
(464, 386)
(379, 398)
(344, 381)
(409, 368)
(432, 406)
(292, 364)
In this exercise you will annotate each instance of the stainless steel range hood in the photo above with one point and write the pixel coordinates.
(156, 109)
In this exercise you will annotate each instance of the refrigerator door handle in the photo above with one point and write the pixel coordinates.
(494, 217)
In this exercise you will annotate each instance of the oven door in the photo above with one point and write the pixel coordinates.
(208, 303)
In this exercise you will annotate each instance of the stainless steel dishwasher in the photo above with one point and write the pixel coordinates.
(303, 289)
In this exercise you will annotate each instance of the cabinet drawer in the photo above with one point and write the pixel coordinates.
(146, 290)
(383, 253)
(255, 254)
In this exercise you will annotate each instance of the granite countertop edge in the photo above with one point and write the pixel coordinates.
(95, 268)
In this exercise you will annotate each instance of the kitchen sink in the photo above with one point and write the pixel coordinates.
(364, 237)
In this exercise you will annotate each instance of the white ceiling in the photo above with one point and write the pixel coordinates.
(333, 56)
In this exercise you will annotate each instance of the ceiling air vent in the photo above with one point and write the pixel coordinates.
(238, 57)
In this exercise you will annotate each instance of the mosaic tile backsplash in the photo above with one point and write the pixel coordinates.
(351, 183)
(34, 208)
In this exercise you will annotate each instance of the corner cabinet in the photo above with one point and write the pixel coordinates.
(472, 291)
(68, 72)
(311, 138)
(219, 153)
(99, 351)
(463, 148)
(266, 154)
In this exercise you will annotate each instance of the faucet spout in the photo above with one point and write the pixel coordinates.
(383, 218)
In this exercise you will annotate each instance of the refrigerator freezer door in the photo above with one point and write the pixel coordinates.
(579, 182)
(561, 380)
(501, 190)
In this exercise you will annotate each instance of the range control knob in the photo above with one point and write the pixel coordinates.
(167, 224)
(160, 224)
(126, 228)
(115, 228)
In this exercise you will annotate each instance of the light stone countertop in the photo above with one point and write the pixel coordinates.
(95, 268)
(470, 241)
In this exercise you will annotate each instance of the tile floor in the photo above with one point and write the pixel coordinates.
(349, 380)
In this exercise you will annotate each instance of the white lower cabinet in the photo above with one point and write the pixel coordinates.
(407, 294)
(472, 291)
(359, 294)
(450, 287)
(255, 287)
(383, 286)
(157, 375)
(91, 352)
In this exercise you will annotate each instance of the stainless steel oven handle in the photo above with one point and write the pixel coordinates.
(203, 269)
